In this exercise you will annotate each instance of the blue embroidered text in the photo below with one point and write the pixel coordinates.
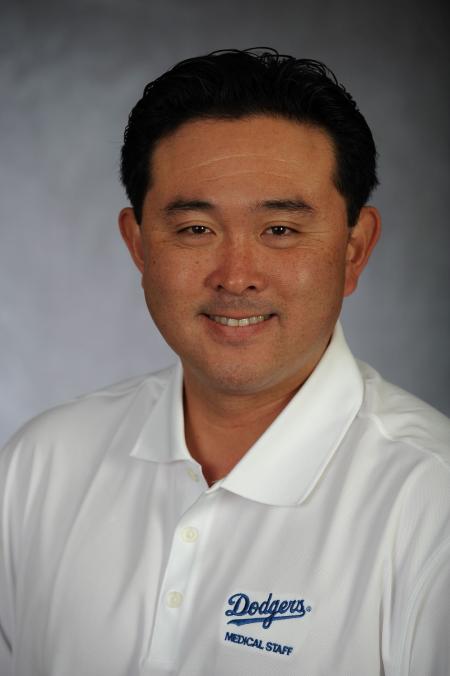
(266, 612)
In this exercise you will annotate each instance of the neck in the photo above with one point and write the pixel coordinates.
(220, 428)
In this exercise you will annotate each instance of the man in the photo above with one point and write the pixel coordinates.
(268, 505)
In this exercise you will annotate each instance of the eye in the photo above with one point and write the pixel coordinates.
(280, 230)
(196, 230)
(280, 236)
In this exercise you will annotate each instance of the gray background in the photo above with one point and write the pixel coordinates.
(72, 313)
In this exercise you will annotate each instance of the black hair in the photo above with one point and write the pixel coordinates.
(233, 84)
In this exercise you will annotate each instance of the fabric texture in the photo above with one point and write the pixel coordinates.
(324, 551)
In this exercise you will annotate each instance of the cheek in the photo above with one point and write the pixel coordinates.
(169, 281)
(314, 275)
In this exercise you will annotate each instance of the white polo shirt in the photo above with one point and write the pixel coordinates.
(325, 551)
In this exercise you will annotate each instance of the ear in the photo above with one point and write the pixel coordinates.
(132, 236)
(362, 239)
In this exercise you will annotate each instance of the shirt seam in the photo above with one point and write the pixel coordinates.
(423, 581)
(408, 442)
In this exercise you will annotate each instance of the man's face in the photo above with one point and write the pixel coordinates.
(245, 251)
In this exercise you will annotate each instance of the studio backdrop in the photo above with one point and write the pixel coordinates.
(72, 312)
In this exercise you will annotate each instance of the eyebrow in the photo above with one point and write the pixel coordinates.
(180, 205)
(293, 205)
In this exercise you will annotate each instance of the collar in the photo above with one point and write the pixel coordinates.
(286, 462)
(161, 437)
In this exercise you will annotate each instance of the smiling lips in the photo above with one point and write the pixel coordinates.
(245, 321)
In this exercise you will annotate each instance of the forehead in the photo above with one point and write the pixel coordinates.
(260, 150)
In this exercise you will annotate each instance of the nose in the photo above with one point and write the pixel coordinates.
(238, 268)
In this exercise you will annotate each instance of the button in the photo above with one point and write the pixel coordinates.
(174, 599)
(193, 474)
(189, 534)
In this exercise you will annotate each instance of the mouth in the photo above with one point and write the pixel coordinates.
(243, 321)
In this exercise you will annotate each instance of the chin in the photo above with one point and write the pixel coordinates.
(237, 378)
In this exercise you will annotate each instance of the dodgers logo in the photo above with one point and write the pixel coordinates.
(270, 610)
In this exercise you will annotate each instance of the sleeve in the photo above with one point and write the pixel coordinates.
(426, 644)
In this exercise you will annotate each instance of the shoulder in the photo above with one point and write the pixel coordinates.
(403, 419)
(85, 421)
(406, 443)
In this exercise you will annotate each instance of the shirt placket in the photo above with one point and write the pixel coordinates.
(175, 610)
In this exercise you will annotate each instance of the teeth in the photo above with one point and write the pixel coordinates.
(230, 321)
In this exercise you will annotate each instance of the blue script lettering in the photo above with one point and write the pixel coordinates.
(269, 610)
